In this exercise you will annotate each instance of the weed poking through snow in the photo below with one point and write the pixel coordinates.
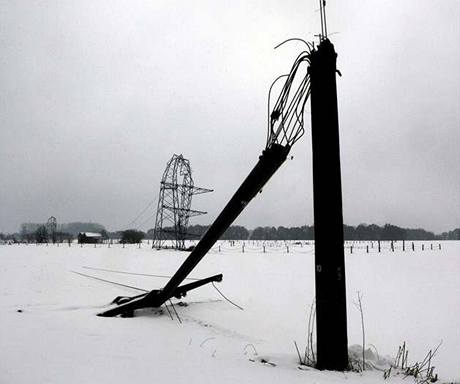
(422, 372)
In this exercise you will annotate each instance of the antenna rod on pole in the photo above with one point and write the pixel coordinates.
(321, 15)
(324, 17)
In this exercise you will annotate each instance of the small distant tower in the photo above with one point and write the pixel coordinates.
(174, 202)
(51, 227)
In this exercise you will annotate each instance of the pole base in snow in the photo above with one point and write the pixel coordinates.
(153, 299)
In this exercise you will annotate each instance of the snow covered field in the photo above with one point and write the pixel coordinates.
(49, 331)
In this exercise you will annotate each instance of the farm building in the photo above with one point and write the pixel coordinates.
(89, 238)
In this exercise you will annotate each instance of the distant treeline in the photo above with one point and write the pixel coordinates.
(305, 232)
(451, 235)
(42, 233)
(195, 232)
(72, 228)
(238, 232)
(360, 232)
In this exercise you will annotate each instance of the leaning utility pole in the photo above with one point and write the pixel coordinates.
(331, 309)
(285, 127)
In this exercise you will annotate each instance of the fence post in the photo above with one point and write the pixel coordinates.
(423, 247)
(351, 248)
(439, 246)
(367, 248)
(379, 245)
(404, 246)
(413, 246)
(392, 246)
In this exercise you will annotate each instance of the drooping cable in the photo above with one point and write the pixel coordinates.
(110, 282)
(174, 308)
(141, 213)
(134, 273)
(285, 120)
(226, 298)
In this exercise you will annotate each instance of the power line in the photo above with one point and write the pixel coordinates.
(132, 273)
(141, 213)
(110, 282)
(146, 220)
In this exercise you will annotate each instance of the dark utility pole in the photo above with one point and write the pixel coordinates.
(331, 310)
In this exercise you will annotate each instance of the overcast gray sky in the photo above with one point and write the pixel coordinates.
(96, 96)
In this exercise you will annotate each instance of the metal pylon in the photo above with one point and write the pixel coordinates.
(51, 228)
(174, 203)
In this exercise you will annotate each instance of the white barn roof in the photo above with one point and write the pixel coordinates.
(91, 234)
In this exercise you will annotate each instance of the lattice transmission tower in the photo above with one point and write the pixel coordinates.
(174, 203)
(51, 228)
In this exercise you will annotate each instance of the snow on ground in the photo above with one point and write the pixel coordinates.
(49, 331)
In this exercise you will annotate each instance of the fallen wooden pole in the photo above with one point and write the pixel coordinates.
(129, 304)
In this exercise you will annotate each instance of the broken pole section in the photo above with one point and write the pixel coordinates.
(269, 162)
(331, 309)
